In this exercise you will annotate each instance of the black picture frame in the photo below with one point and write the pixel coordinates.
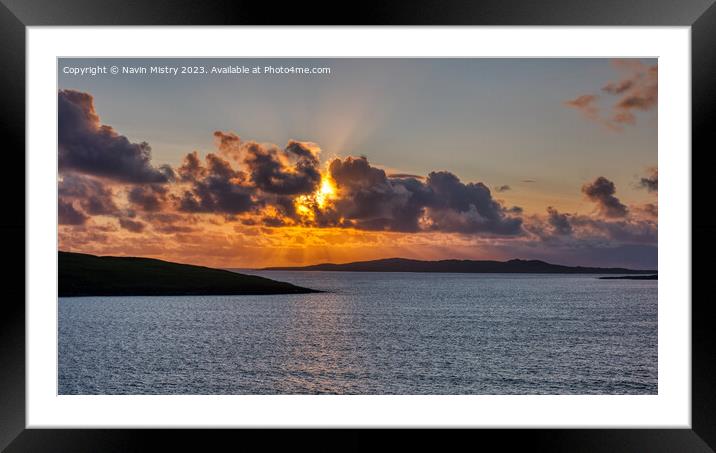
(16, 15)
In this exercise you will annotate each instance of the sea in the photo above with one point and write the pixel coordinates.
(370, 333)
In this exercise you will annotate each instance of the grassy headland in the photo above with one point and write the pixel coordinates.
(88, 275)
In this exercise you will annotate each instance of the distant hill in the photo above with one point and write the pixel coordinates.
(632, 277)
(462, 266)
(89, 275)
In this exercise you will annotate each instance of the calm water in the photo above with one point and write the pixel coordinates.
(374, 333)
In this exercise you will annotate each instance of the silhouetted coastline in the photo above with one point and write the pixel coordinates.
(515, 266)
(80, 274)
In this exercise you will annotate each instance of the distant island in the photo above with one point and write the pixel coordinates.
(80, 274)
(515, 266)
(632, 277)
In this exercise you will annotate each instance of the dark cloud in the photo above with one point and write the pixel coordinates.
(503, 188)
(601, 191)
(569, 231)
(371, 200)
(651, 181)
(590, 232)
(467, 208)
(191, 168)
(285, 205)
(559, 222)
(269, 177)
(148, 197)
(134, 226)
(290, 171)
(215, 187)
(68, 215)
(87, 146)
(273, 221)
(94, 196)
(355, 173)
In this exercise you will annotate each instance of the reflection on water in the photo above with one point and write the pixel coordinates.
(372, 333)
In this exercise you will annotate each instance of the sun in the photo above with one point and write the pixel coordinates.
(307, 204)
(325, 192)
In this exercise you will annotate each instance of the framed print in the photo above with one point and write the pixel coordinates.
(362, 225)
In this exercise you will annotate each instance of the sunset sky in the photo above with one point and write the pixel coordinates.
(553, 159)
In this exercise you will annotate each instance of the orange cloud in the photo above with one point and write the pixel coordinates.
(637, 90)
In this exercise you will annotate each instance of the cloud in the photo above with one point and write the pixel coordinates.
(370, 200)
(503, 188)
(622, 231)
(601, 191)
(215, 187)
(572, 232)
(618, 87)
(467, 208)
(586, 232)
(355, 173)
(68, 215)
(89, 147)
(637, 90)
(270, 184)
(148, 197)
(585, 104)
(289, 171)
(94, 197)
(229, 144)
(133, 226)
(191, 168)
(560, 222)
(624, 240)
(651, 181)
(292, 170)
(246, 176)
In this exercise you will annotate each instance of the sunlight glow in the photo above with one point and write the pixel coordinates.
(307, 205)
(325, 192)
